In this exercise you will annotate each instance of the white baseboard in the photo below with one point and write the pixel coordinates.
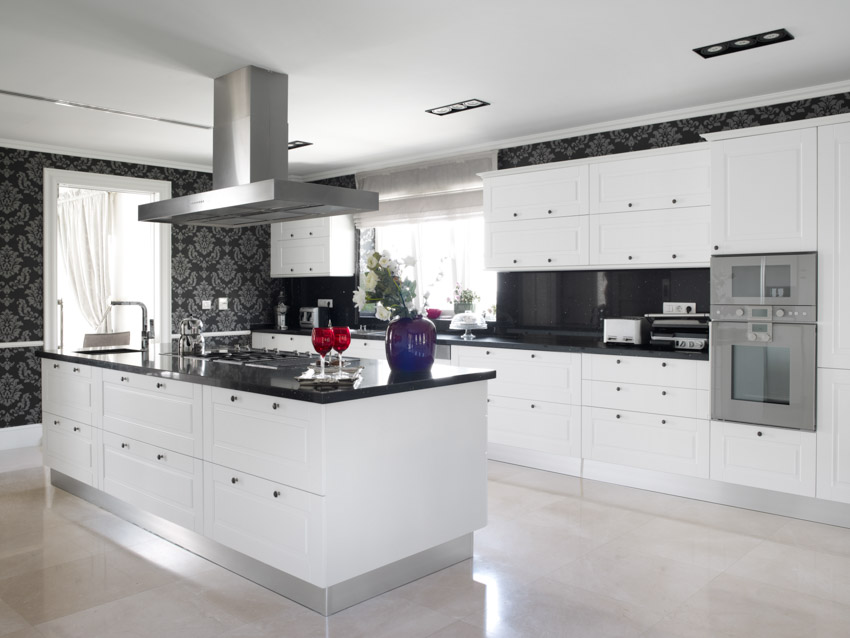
(20, 436)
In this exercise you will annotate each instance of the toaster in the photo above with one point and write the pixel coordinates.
(313, 317)
(626, 330)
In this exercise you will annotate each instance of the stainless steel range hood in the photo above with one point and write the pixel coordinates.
(250, 164)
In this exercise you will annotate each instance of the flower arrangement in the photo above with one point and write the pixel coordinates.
(383, 283)
(464, 295)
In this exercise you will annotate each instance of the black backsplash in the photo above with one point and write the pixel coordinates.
(578, 301)
(306, 291)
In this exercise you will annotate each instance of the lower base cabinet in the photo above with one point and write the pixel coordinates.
(70, 447)
(771, 458)
(156, 480)
(649, 441)
(273, 523)
(834, 435)
(552, 428)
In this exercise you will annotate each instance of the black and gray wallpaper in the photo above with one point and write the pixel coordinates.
(673, 133)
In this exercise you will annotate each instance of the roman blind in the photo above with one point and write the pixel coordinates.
(429, 190)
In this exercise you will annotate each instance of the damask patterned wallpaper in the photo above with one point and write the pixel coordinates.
(673, 133)
(206, 263)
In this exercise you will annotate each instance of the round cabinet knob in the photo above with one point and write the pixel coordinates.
(55, 421)
(76, 429)
(779, 312)
(159, 457)
(663, 421)
(618, 416)
(516, 214)
(549, 212)
(618, 388)
(275, 406)
(534, 355)
(292, 234)
(486, 352)
(549, 260)
(739, 312)
(125, 445)
(674, 201)
(630, 204)
(125, 378)
(232, 398)
(276, 493)
(674, 255)
(292, 270)
(532, 406)
(717, 248)
(234, 480)
(664, 393)
(618, 361)
(55, 365)
(759, 433)
(514, 260)
(311, 233)
(630, 257)
(663, 364)
(160, 385)
(76, 369)
(751, 337)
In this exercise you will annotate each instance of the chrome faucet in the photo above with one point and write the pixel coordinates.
(146, 334)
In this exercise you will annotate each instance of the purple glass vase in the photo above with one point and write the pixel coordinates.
(411, 343)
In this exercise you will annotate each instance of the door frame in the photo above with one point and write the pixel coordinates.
(53, 178)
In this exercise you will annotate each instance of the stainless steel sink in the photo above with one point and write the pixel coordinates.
(106, 351)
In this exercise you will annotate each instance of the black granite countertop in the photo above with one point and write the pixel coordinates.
(590, 344)
(377, 379)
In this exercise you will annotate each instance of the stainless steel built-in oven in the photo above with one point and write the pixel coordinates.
(763, 341)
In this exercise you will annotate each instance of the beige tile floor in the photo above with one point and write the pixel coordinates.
(560, 557)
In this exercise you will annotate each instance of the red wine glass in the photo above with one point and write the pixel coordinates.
(342, 339)
(323, 341)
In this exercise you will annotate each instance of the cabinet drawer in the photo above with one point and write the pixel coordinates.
(642, 398)
(553, 428)
(538, 244)
(167, 416)
(277, 439)
(647, 183)
(301, 229)
(301, 343)
(770, 458)
(539, 194)
(367, 349)
(651, 237)
(154, 479)
(66, 392)
(644, 370)
(275, 524)
(526, 374)
(649, 441)
(69, 447)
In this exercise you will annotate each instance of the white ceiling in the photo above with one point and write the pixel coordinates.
(362, 72)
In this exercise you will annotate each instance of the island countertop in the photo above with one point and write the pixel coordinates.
(377, 378)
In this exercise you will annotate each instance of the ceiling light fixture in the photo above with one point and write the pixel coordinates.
(463, 105)
(298, 144)
(742, 44)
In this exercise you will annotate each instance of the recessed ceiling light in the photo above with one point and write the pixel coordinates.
(463, 105)
(742, 44)
(298, 144)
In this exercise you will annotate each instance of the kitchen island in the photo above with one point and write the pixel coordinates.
(327, 497)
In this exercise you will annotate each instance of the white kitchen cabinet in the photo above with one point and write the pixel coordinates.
(674, 180)
(534, 405)
(771, 458)
(539, 244)
(273, 523)
(833, 435)
(366, 349)
(649, 441)
(69, 389)
(71, 447)
(764, 193)
(281, 341)
(653, 237)
(544, 193)
(638, 397)
(322, 246)
(277, 439)
(154, 479)
(833, 246)
(156, 410)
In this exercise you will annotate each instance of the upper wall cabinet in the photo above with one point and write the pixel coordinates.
(676, 180)
(764, 193)
(320, 246)
(538, 194)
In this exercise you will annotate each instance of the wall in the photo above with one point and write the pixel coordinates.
(206, 263)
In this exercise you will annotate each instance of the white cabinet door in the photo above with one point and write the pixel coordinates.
(764, 193)
(366, 349)
(552, 428)
(277, 439)
(281, 341)
(70, 447)
(276, 524)
(536, 375)
(154, 479)
(669, 237)
(770, 458)
(313, 247)
(646, 370)
(833, 435)
(539, 244)
(545, 193)
(676, 180)
(834, 246)
(642, 398)
(68, 389)
(649, 441)
(160, 411)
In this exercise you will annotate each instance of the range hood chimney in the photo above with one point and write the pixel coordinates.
(251, 166)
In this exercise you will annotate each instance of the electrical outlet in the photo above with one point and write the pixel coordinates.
(325, 303)
(222, 303)
(679, 307)
(206, 304)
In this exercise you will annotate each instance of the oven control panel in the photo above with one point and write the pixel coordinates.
(784, 314)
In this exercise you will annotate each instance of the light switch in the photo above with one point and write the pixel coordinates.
(222, 303)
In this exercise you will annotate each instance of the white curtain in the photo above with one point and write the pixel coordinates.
(85, 228)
